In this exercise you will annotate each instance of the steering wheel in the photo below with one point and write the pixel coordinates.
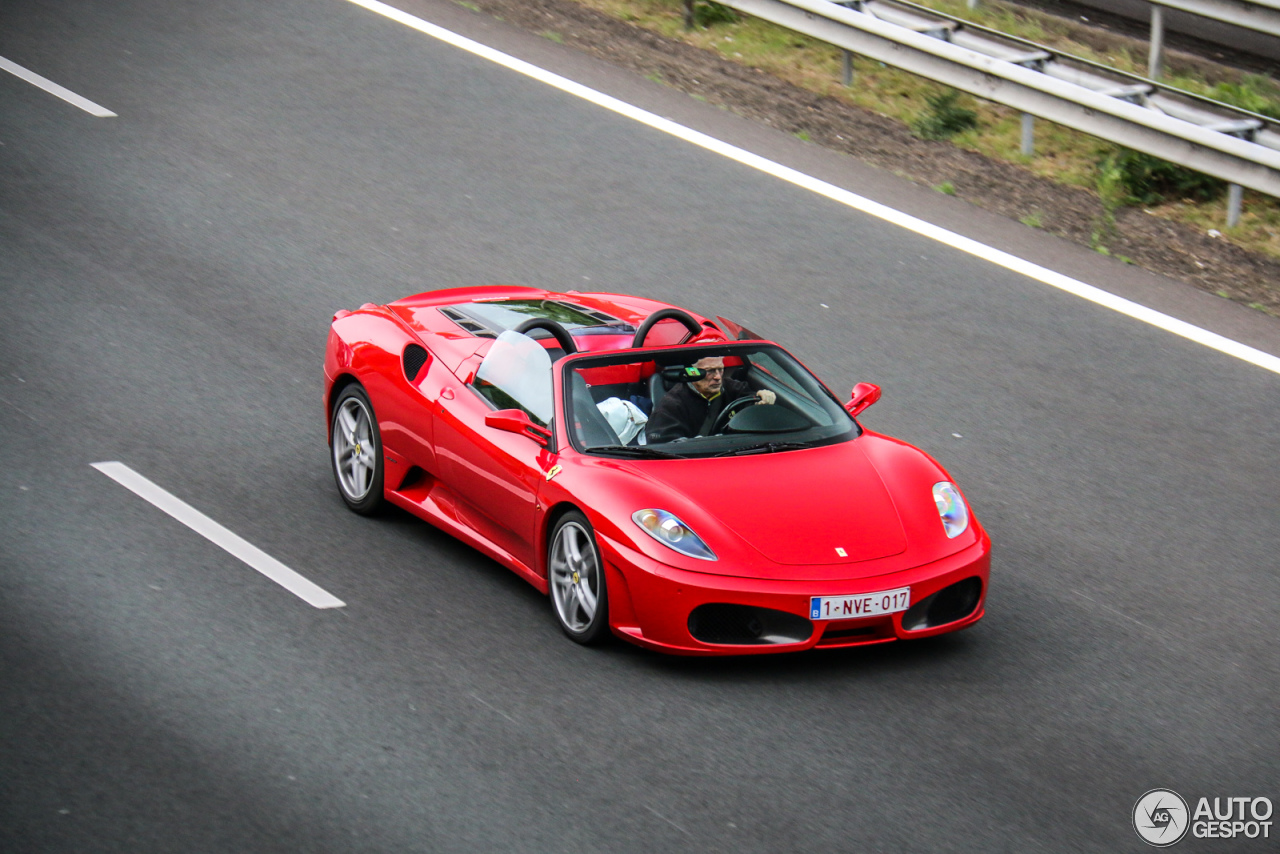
(722, 420)
(684, 317)
(562, 336)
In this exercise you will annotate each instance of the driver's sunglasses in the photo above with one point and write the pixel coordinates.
(712, 370)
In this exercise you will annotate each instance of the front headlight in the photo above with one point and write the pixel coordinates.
(955, 516)
(672, 533)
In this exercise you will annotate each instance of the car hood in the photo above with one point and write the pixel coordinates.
(816, 506)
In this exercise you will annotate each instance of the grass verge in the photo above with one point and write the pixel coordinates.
(1061, 154)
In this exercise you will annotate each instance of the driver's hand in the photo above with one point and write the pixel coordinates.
(766, 396)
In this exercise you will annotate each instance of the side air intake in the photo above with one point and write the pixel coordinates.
(414, 358)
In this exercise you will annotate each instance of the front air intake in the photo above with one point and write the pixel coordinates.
(746, 625)
(948, 605)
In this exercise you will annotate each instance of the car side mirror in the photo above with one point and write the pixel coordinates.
(517, 421)
(864, 394)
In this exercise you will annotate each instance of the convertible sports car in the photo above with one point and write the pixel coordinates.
(679, 482)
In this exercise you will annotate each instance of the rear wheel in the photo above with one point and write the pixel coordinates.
(576, 575)
(356, 451)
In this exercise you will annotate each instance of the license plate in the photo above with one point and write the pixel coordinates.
(862, 605)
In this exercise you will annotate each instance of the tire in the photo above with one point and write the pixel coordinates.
(575, 576)
(355, 450)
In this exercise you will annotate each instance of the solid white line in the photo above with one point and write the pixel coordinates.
(54, 89)
(215, 533)
(844, 197)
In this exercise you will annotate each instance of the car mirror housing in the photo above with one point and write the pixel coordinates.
(517, 421)
(864, 394)
(679, 374)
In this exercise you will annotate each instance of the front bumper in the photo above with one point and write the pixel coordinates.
(650, 604)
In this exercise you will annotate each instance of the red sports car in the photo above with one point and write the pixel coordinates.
(678, 482)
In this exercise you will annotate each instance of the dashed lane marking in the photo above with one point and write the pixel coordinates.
(54, 89)
(220, 536)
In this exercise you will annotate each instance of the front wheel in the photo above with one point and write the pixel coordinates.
(575, 572)
(356, 451)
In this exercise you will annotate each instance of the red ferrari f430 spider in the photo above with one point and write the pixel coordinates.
(673, 480)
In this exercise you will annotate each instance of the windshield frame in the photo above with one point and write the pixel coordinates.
(709, 446)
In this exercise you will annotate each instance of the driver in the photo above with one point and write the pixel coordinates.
(690, 409)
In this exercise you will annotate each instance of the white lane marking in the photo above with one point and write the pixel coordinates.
(492, 708)
(667, 820)
(925, 229)
(54, 89)
(215, 533)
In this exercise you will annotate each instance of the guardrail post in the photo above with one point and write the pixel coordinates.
(973, 4)
(1028, 134)
(1155, 56)
(846, 56)
(688, 14)
(1235, 203)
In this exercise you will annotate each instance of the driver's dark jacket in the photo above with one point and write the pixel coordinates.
(683, 412)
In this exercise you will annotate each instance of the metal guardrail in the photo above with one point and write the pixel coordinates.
(1236, 145)
(1262, 16)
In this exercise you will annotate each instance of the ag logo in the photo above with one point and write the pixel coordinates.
(1160, 817)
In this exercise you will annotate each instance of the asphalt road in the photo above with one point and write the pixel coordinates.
(167, 279)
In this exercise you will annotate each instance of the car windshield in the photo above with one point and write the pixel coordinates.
(706, 401)
(516, 374)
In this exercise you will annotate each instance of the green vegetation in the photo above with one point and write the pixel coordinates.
(707, 13)
(1151, 181)
(1113, 192)
(1063, 155)
(1255, 93)
(947, 188)
(944, 118)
